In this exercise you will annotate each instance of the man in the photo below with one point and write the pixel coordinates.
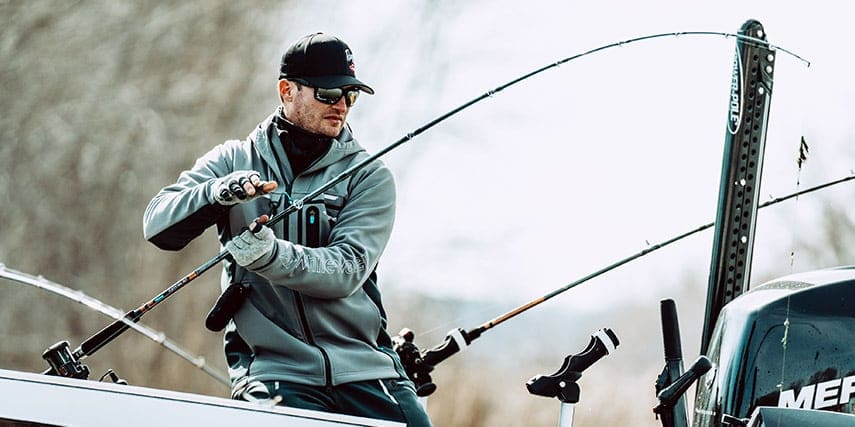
(311, 329)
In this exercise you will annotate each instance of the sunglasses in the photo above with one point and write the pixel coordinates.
(332, 96)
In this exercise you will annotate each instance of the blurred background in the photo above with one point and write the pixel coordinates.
(105, 102)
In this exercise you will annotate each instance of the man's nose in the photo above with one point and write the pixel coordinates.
(341, 105)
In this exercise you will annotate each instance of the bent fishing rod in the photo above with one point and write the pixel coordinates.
(56, 355)
(112, 331)
(419, 364)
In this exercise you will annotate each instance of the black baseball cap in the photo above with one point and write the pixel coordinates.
(319, 60)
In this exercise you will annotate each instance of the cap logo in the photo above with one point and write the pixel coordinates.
(348, 56)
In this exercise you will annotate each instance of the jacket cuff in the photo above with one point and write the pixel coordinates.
(265, 260)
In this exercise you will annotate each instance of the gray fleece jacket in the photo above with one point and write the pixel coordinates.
(314, 314)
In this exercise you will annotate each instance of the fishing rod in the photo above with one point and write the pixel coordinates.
(56, 355)
(419, 364)
(110, 332)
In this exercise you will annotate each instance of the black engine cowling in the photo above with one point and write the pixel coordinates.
(786, 343)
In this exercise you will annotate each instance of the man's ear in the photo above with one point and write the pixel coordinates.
(285, 91)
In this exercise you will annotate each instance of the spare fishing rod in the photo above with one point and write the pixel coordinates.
(419, 364)
(58, 355)
(112, 331)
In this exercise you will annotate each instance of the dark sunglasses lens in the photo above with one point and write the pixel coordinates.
(332, 96)
(350, 96)
(328, 96)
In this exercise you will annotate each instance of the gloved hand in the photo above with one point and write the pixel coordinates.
(249, 247)
(239, 187)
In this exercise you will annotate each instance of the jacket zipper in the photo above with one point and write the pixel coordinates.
(307, 332)
(301, 308)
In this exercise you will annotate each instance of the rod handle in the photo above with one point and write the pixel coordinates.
(456, 340)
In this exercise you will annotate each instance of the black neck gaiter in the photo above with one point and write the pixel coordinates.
(302, 147)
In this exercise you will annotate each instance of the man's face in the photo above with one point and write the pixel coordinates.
(302, 109)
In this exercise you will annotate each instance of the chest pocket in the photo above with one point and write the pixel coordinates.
(314, 234)
(317, 219)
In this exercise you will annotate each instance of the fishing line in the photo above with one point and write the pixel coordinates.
(103, 308)
(804, 149)
(110, 332)
(651, 248)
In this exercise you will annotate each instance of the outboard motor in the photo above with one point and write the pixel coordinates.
(787, 343)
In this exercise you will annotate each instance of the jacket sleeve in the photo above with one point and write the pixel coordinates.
(182, 211)
(356, 242)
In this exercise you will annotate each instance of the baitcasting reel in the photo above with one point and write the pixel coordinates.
(65, 363)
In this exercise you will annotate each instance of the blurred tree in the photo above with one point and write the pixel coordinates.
(105, 102)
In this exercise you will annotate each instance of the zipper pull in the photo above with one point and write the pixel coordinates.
(274, 204)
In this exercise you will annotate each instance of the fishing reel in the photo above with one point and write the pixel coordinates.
(415, 366)
(419, 364)
(66, 363)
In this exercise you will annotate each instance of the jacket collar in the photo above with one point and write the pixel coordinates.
(264, 137)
